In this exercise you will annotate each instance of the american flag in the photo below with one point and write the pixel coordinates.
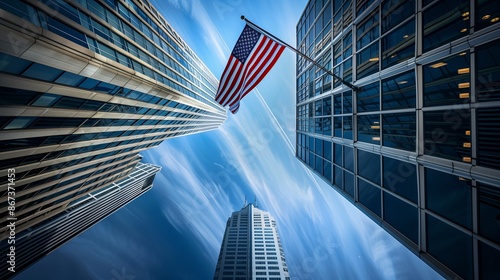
(253, 56)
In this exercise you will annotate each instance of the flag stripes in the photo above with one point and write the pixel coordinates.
(252, 58)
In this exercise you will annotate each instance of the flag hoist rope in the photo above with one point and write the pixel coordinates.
(301, 54)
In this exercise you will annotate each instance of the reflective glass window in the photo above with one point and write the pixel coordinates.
(318, 147)
(369, 128)
(449, 196)
(447, 81)
(399, 92)
(347, 127)
(13, 65)
(445, 21)
(399, 131)
(42, 72)
(367, 61)
(447, 134)
(46, 100)
(399, 45)
(19, 123)
(367, 31)
(327, 150)
(349, 183)
(488, 72)
(400, 177)
(318, 111)
(450, 246)
(402, 216)
(369, 166)
(337, 127)
(368, 98)
(319, 165)
(395, 12)
(489, 212)
(347, 102)
(347, 68)
(488, 130)
(337, 104)
(369, 196)
(347, 41)
(327, 106)
(348, 158)
(487, 13)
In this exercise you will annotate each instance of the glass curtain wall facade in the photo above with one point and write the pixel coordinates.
(415, 147)
(84, 87)
(81, 214)
(251, 248)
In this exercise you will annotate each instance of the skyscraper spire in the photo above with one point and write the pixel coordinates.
(245, 203)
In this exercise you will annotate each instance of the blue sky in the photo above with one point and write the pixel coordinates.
(174, 231)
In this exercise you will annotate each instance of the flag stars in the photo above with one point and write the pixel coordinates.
(245, 43)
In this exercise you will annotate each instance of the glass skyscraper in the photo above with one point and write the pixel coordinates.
(416, 146)
(79, 215)
(251, 248)
(84, 87)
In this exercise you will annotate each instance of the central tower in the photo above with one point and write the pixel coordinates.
(251, 248)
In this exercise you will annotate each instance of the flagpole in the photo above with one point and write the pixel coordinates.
(353, 87)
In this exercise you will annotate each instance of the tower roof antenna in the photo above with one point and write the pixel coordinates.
(245, 203)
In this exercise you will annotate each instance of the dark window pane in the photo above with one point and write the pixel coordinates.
(337, 104)
(349, 183)
(12, 96)
(489, 212)
(488, 133)
(400, 178)
(327, 150)
(399, 45)
(450, 246)
(369, 129)
(445, 21)
(402, 216)
(319, 147)
(488, 261)
(399, 131)
(368, 98)
(347, 127)
(347, 105)
(369, 166)
(399, 92)
(348, 158)
(69, 102)
(487, 13)
(338, 154)
(447, 134)
(396, 11)
(449, 196)
(367, 61)
(488, 73)
(447, 81)
(369, 196)
(338, 177)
